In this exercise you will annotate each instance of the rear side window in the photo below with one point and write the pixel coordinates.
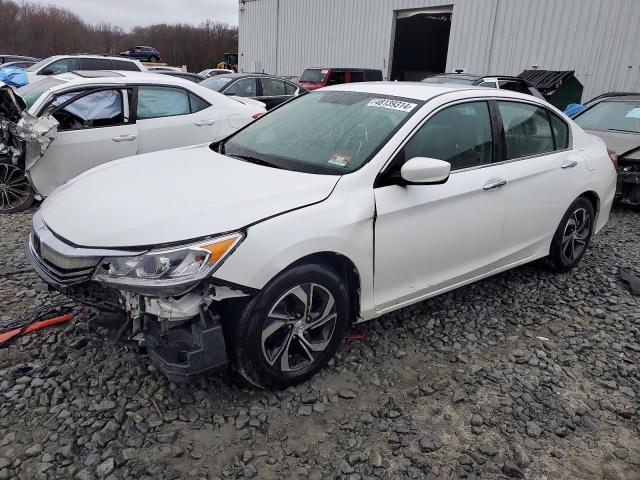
(245, 87)
(272, 88)
(560, 132)
(337, 77)
(98, 109)
(197, 103)
(124, 65)
(460, 135)
(526, 129)
(357, 76)
(95, 64)
(155, 102)
(290, 88)
(374, 76)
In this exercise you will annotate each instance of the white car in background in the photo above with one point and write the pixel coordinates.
(59, 64)
(59, 127)
(339, 206)
(212, 72)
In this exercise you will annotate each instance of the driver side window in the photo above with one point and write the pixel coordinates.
(460, 135)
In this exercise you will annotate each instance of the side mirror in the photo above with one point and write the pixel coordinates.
(422, 170)
(47, 71)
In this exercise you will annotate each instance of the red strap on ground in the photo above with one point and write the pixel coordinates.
(354, 336)
(6, 336)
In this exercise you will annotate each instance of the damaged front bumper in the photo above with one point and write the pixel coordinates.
(24, 138)
(629, 183)
(183, 335)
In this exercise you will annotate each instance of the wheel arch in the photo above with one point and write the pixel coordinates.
(594, 199)
(344, 266)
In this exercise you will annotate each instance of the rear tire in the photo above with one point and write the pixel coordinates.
(153, 59)
(291, 329)
(572, 237)
(16, 192)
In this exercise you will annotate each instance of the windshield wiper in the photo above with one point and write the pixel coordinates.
(257, 161)
(621, 130)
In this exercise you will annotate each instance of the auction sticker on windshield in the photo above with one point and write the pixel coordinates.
(340, 160)
(392, 104)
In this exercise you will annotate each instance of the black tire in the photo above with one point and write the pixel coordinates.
(16, 192)
(572, 237)
(257, 360)
(153, 59)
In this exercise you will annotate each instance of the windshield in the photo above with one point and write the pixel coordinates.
(31, 92)
(216, 82)
(36, 66)
(457, 80)
(612, 116)
(323, 132)
(314, 75)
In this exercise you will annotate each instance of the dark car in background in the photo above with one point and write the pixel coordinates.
(313, 78)
(16, 58)
(268, 89)
(146, 54)
(615, 118)
(504, 82)
(192, 77)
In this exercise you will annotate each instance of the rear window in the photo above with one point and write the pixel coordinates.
(95, 64)
(314, 75)
(457, 80)
(32, 92)
(125, 65)
(613, 116)
(216, 83)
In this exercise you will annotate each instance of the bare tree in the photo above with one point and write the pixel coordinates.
(44, 30)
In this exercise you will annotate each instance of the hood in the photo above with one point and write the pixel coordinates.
(175, 196)
(626, 145)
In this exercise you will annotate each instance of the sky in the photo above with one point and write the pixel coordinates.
(129, 13)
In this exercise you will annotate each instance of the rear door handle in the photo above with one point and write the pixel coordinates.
(200, 123)
(495, 183)
(569, 164)
(124, 138)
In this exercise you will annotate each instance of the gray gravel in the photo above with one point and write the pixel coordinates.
(524, 375)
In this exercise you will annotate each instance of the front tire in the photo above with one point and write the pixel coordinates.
(572, 237)
(16, 192)
(292, 328)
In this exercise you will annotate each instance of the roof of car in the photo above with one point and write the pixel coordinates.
(115, 77)
(619, 97)
(242, 75)
(89, 55)
(422, 91)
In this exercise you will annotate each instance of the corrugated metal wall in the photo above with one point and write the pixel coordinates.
(599, 39)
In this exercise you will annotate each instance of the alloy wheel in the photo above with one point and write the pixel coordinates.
(299, 327)
(575, 235)
(15, 189)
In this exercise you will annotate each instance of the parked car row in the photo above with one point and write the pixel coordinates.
(49, 126)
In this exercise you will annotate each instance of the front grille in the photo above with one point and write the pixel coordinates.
(66, 271)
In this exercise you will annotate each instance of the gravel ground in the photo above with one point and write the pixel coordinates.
(524, 375)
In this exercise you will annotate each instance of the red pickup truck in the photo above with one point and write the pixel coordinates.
(313, 78)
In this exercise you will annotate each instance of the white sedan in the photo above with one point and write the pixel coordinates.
(338, 207)
(59, 127)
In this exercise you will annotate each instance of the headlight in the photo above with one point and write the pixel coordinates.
(167, 271)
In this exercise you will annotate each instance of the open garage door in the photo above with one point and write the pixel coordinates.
(420, 44)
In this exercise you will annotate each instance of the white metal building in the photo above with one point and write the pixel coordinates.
(599, 39)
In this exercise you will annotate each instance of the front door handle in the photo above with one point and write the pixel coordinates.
(569, 164)
(200, 123)
(124, 138)
(495, 183)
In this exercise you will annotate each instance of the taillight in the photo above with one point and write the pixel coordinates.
(614, 158)
(256, 116)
